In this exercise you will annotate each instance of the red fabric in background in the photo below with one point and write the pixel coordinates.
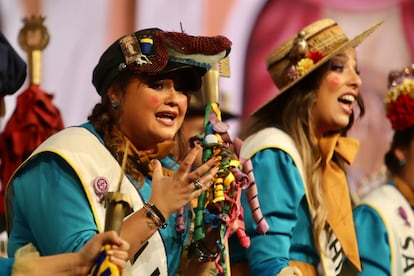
(33, 121)
(275, 23)
(407, 17)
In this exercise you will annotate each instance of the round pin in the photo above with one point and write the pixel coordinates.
(100, 185)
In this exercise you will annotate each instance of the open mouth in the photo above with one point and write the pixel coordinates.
(166, 116)
(347, 99)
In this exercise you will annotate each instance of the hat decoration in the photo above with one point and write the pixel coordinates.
(154, 51)
(151, 52)
(310, 48)
(307, 59)
(399, 99)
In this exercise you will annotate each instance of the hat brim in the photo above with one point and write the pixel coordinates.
(192, 74)
(349, 44)
(175, 66)
(198, 112)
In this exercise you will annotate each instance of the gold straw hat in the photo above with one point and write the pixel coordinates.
(311, 47)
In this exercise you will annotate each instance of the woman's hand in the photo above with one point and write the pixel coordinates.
(28, 261)
(169, 193)
(118, 254)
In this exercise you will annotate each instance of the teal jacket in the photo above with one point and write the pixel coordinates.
(373, 244)
(6, 265)
(284, 206)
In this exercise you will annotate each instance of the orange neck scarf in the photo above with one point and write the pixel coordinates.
(145, 156)
(336, 192)
(139, 161)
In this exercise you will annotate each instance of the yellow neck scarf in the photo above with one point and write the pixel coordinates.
(336, 192)
(405, 189)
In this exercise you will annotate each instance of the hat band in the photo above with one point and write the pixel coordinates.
(328, 40)
(306, 51)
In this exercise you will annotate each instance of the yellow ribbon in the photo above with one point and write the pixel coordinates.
(336, 192)
(405, 189)
(103, 266)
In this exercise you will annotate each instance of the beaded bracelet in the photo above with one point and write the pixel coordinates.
(155, 214)
(201, 255)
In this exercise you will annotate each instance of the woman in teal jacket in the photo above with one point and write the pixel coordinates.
(298, 151)
(57, 198)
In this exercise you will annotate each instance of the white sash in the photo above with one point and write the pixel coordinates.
(387, 201)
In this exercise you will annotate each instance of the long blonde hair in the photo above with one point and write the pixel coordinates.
(291, 111)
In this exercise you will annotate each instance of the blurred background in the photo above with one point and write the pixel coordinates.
(81, 30)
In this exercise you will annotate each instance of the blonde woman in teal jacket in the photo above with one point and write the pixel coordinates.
(299, 154)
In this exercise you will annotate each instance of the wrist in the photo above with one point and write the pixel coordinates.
(80, 267)
(153, 213)
(164, 212)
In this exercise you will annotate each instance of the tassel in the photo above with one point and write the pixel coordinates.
(241, 232)
(252, 192)
(103, 266)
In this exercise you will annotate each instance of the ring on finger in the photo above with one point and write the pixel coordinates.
(197, 185)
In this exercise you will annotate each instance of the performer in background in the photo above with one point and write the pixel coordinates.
(384, 219)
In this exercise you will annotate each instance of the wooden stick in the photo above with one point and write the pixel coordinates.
(124, 159)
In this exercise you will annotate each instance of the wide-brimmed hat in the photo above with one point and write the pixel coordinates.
(399, 99)
(310, 48)
(154, 51)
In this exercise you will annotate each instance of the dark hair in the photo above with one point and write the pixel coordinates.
(401, 140)
(106, 122)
